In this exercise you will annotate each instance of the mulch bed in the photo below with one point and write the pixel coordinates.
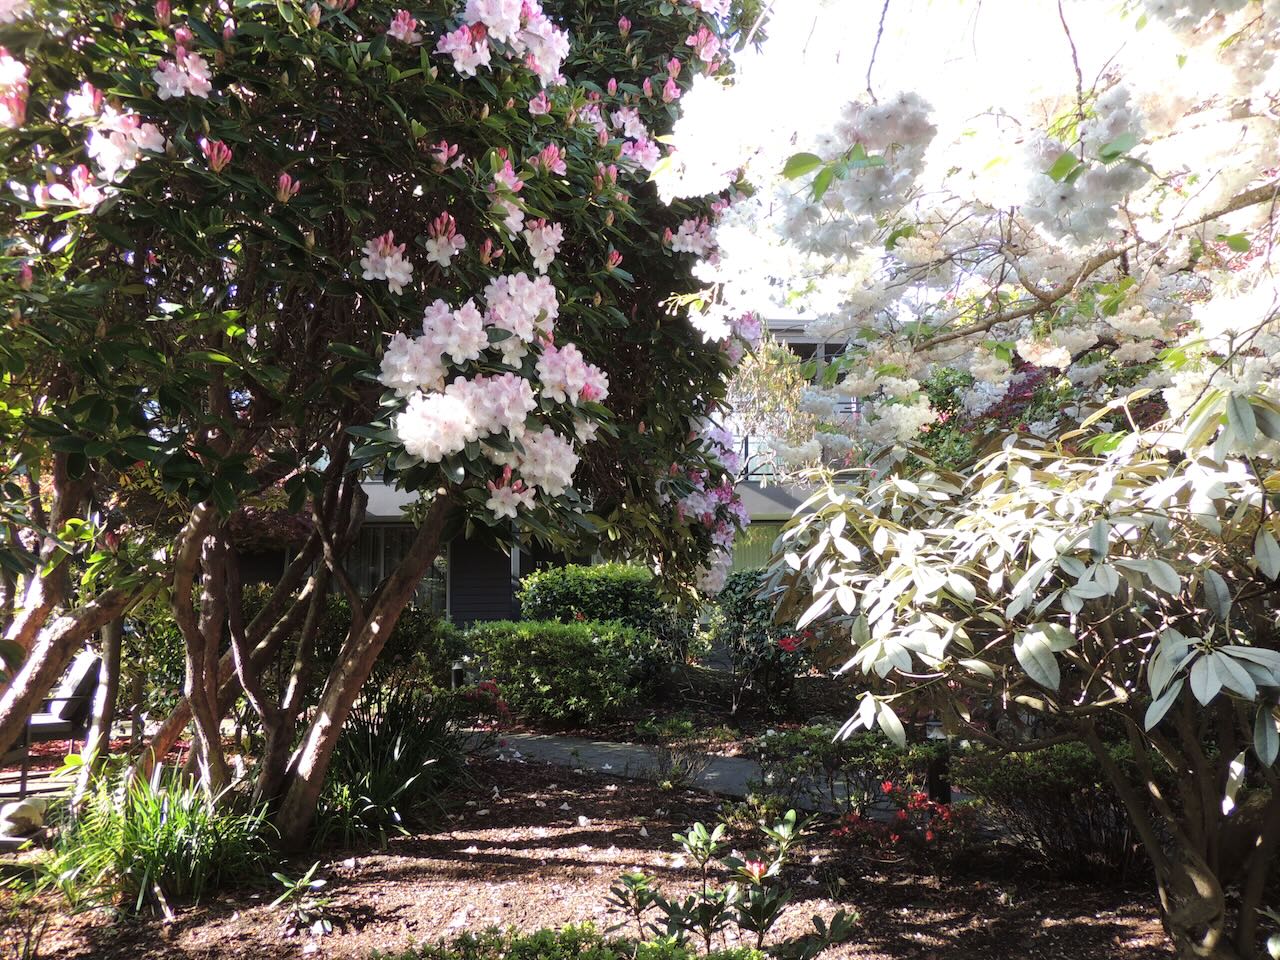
(539, 846)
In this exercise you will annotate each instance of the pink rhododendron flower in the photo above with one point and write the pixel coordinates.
(384, 260)
(404, 28)
(82, 193)
(614, 260)
(287, 188)
(444, 242)
(670, 91)
(524, 308)
(468, 54)
(84, 103)
(458, 334)
(673, 68)
(548, 461)
(164, 12)
(445, 154)
(13, 90)
(540, 105)
(550, 159)
(507, 179)
(717, 8)
(506, 498)
(411, 364)
(544, 241)
(489, 251)
(118, 139)
(501, 18)
(187, 73)
(11, 10)
(628, 118)
(693, 236)
(183, 38)
(624, 26)
(706, 45)
(642, 153)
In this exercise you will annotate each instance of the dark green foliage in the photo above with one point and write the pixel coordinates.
(606, 591)
(400, 750)
(130, 847)
(764, 668)
(1057, 803)
(421, 645)
(814, 768)
(566, 673)
(580, 942)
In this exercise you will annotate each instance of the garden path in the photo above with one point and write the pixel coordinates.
(725, 776)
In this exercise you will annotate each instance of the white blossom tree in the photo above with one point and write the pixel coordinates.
(1083, 197)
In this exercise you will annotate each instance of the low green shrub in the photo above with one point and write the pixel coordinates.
(607, 591)
(575, 942)
(566, 673)
(400, 750)
(148, 844)
(812, 767)
(1058, 804)
(765, 657)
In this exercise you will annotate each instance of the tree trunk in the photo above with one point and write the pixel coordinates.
(97, 744)
(355, 662)
(55, 645)
(1193, 909)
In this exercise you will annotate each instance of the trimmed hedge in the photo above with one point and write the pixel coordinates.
(605, 591)
(570, 943)
(1056, 803)
(566, 673)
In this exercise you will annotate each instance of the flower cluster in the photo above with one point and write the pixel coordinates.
(186, 74)
(521, 28)
(384, 260)
(444, 242)
(544, 241)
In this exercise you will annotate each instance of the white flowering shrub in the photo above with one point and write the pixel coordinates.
(1051, 262)
(255, 253)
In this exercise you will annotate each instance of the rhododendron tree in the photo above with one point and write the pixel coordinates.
(273, 249)
(1070, 227)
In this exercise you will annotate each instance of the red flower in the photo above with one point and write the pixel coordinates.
(886, 787)
(790, 644)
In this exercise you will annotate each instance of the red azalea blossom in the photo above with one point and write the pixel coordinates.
(789, 644)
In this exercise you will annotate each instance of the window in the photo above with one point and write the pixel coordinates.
(377, 552)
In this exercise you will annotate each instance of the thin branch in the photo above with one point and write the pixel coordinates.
(884, 12)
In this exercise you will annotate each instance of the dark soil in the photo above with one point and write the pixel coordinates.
(514, 855)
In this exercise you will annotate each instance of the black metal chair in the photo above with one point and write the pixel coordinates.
(65, 714)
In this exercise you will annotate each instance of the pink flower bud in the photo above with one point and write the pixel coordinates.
(183, 37)
(164, 13)
(287, 188)
(647, 87)
(229, 28)
(673, 68)
(25, 277)
(615, 260)
(313, 14)
(612, 86)
(624, 26)
(217, 153)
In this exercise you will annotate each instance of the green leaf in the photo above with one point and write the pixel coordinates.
(1062, 167)
(1235, 241)
(1240, 417)
(1118, 147)
(1267, 553)
(1266, 737)
(1217, 595)
(889, 723)
(1160, 706)
(799, 164)
(822, 182)
(1033, 652)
